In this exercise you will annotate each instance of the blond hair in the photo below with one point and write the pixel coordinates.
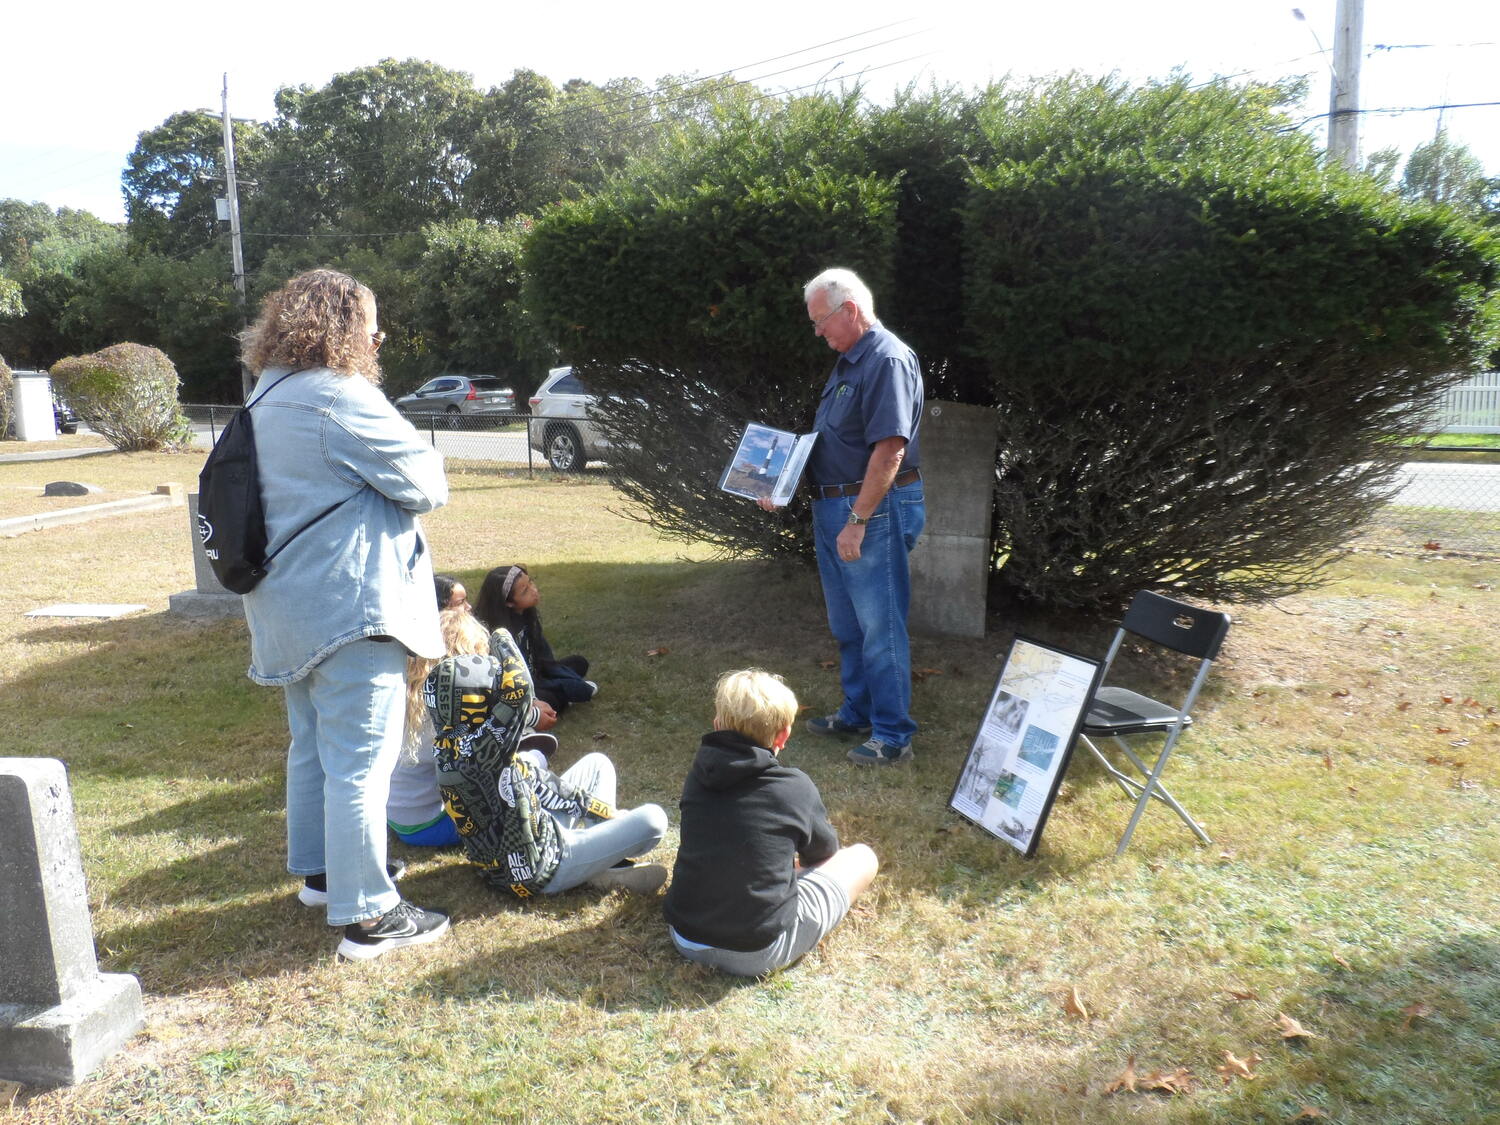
(463, 635)
(757, 704)
(317, 319)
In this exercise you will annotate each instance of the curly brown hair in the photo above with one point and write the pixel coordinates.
(317, 319)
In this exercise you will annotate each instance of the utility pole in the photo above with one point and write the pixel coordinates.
(236, 250)
(1343, 103)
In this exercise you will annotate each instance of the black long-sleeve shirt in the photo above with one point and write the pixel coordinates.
(746, 818)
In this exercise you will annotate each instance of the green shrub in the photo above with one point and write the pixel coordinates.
(1200, 341)
(675, 291)
(7, 398)
(128, 394)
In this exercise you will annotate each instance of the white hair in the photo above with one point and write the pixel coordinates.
(840, 285)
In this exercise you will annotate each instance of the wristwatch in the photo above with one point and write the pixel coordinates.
(856, 518)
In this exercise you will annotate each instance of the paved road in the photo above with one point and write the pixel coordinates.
(1465, 487)
(1469, 488)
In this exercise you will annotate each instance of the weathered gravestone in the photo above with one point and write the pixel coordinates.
(950, 566)
(209, 598)
(59, 1015)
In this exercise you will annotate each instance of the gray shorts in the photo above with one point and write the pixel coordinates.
(821, 905)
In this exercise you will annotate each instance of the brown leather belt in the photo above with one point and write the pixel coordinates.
(829, 491)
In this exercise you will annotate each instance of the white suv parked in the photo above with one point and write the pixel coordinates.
(560, 429)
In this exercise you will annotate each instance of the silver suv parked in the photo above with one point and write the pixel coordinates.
(560, 429)
(458, 395)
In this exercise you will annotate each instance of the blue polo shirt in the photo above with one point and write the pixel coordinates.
(875, 392)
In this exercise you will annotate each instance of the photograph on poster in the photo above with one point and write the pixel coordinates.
(1010, 778)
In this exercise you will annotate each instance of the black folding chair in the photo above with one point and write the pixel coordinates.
(1118, 713)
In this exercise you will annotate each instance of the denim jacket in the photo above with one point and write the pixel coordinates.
(363, 570)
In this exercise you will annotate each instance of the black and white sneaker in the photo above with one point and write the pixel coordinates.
(314, 889)
(402, 924)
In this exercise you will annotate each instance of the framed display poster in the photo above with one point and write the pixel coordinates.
(1016, 764)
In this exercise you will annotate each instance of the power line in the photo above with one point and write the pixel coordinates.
(1395, 111)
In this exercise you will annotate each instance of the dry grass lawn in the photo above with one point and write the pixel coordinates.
(1345, 763)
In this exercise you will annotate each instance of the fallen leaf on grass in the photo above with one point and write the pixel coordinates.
(1073, 1004)
(1417, 1011)
(952, 829)
(1241, 994)
(826, 665)
(1340, 961)
(1125, 1080)
(1236, 1067)
(1432, 545)
(1291, 1029)
(1484, 585)
(1179, 1081)
(658, 651)
(920, 674)
(601, 736)
(1404, 705)
(1442, 730)
(1308, 1113)
(1340, 694)
(1328, 760)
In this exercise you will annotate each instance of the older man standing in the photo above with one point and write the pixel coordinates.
(867, 513)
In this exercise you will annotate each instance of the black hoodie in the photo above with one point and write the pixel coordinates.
(745, 818)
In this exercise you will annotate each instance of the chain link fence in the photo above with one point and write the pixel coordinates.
(1450, 502)
(556, 443)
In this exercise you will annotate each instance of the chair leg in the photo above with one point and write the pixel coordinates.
(1153, 788)
(1160, 791)
(1124, 781)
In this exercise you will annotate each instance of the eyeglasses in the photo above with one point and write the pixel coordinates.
(819, 322)
(377, 338)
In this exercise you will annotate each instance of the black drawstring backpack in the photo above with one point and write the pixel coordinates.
(231, 516)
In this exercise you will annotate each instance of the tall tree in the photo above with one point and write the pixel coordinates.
(175, 173)
(380, 149)
(40, 255)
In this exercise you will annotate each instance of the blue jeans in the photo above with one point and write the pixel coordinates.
(590, 846)
(346, 717)
(867, 600)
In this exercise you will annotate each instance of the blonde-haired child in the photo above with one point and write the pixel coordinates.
(760, 878)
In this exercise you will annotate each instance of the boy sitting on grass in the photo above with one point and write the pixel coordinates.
(760, 877)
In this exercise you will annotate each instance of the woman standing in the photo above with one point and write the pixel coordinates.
(343, 477)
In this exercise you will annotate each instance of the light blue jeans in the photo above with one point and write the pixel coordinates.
(346, 717)
(867, 601)
(591, 846)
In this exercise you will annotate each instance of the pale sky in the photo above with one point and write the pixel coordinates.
(81, 81)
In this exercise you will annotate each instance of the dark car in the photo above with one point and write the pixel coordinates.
(63, 416)
(457, 396)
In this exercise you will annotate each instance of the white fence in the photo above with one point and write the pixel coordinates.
(1472, 407)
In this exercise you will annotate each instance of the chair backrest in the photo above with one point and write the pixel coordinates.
(1176, 625)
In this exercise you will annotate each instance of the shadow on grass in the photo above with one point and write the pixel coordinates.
(158, 698)
(622, 961)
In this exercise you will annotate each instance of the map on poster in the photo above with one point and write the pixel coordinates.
(1011, 775)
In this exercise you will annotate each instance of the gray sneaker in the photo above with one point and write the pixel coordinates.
(832, 724)
(632, 875)
(877, 753)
